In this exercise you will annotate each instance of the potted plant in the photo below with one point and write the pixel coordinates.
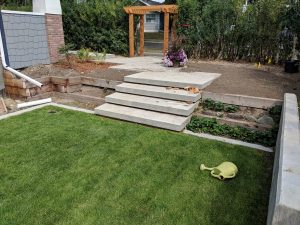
(176, 56)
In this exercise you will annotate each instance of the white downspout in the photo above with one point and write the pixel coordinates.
(17, 73)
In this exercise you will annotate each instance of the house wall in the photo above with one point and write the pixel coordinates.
(25, 38)
(1, 77)
(152, 26)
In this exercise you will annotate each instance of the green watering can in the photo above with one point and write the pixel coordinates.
(223, 171)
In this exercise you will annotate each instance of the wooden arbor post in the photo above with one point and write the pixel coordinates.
(131, 35)
(166, 33)
(141, 11)
(142, 36)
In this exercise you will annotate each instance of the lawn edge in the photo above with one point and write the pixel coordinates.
(229, 141)
(17, 113)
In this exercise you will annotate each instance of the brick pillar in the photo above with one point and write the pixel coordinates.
(55, 33)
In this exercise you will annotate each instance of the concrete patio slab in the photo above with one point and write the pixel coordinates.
(174, 79)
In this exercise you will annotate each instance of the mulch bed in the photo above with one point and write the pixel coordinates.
(82, 66)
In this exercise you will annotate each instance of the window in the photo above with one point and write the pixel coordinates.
(150, 18)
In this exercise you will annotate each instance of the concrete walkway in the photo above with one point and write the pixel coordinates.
(147, 63)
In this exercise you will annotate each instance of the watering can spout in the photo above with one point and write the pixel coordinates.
(203, 167)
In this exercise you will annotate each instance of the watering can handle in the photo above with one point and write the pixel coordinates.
(217, 176)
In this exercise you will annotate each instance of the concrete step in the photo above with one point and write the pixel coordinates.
(173, 79)
(151, 118)
(154, 104)
(159, 92)
(154, 54)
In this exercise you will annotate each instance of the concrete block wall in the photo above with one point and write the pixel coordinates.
(55, 32)
(284, 204)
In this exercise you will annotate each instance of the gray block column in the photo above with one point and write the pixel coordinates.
(284, 204)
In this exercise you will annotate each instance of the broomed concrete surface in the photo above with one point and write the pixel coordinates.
(174, 79)
(155, 119)
(159, 92)
(150, 103)
(284, 205)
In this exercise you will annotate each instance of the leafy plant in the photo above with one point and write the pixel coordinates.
(231, 108)
(208, 104)
(83, 54)
(211, 126)
(65, 50)
(219, 106)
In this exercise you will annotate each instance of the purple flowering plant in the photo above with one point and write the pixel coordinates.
(176, 56)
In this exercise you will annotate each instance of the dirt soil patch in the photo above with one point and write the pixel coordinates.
(246, 79)
(89, 69)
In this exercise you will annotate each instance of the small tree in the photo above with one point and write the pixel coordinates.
(65, 50)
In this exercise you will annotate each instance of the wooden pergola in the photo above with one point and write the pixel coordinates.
(141, 11)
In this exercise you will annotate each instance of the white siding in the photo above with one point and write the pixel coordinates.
(152, 25)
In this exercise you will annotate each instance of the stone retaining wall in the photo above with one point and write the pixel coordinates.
(242, 100)
(284, 204)
(21, 89)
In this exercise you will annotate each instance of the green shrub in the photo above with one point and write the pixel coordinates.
(211, 126)
(97, 25)
(220, 29)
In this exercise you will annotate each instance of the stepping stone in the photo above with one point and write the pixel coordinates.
(159, 92)
(142, 116)
(154, 104)
(173, 79)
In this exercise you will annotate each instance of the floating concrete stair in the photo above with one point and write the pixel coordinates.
(158, 92)
(142, 116)
(156, 98)
(173, 79)
(154, 104)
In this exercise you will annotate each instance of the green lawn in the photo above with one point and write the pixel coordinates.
(73, 168)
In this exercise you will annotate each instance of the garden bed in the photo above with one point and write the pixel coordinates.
(244, 123)
(122, 172)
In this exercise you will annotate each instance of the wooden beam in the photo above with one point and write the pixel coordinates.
(131, 35)
(156, 8)
(142, 29)
(166, 33)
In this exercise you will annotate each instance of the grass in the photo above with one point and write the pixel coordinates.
(73, 168)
